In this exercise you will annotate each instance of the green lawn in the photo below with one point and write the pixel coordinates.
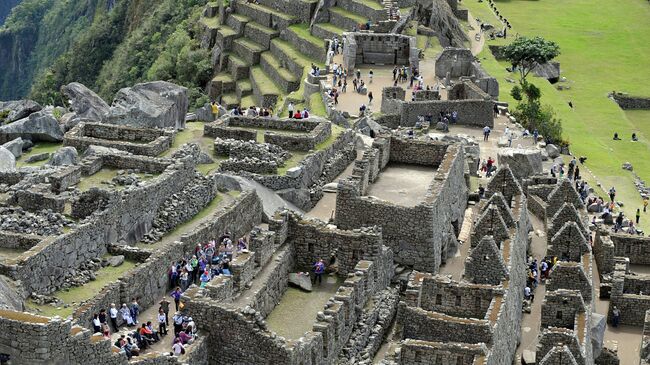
(604, 48)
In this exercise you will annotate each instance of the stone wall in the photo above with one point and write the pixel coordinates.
(419, 324)
(402, 227)
(458, 299)
(478, 113)
(140, 141)
(18, 241)
(377, 48)
(636, 248)
(631, 102)
(416, 352)
(603, 250)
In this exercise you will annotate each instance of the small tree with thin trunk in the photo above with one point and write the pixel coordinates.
(526, 53)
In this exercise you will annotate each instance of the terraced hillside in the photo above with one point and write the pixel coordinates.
(261, 51)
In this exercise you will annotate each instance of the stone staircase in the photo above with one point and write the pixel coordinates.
(264, 49)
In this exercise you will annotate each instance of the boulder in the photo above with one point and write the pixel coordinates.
(552, 150)
(39, 126)
(523, 162)
(204, 159)
(157, 104)
(440, 126)
(549, 71)
(7, 160)
(368, 126)
(15, 146)
(300, 280)
(116, 261)
(331, 187)
(64, 156)
(87, 105)
(294, 171)
(17, 109)
(101, 150)
(38, 157)
(627, 166)
(502, 142)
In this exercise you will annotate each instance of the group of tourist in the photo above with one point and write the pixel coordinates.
(487, 167)
(536, 273)
(206, 262)
(634, 137)
(573, 173)
(297, 114)
(252, 111)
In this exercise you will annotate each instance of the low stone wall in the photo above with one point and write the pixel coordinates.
(416, 352)
(275, 284)
(478, 113)
(311, 50)
(419, 324)
(262, 242)
(140, 141)
(631, 102)
(220, 131)
(17, 241)
(632, 247)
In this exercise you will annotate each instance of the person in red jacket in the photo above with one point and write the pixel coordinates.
(298, 114)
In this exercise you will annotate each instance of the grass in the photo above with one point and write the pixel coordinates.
(74, 296)
(302, 30)
(298, 156)
(193, 132)
(264, 82)
(316, 105)
(331, 27)
(275, 63)
(603, 49)
(39, 147)
(211, 23)
(371, 4)
(344, 13)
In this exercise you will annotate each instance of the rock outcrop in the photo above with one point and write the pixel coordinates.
(15, 146)
(300, 280)
(86, 105)
(157, 104)
(64, 156)
(17, 109)
(446, 25)
(39, 126)
(522, 162)
(7, 160)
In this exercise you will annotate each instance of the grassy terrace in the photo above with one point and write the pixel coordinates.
(302, 30)
(264, 82)
(74, 296)
(342, 12)
(603, 49)
(193, 132)
(275, 63)
(332, 28)
(106, 174)
(371, 4)
(212, 23)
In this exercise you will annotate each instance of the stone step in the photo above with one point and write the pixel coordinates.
(237, 67)
(301, 9)
(221, 84)
(225, 36)
(369, 9)
(345, 19)
(283, 77)
(260, 34)
(301, 38)
(248, 50)
(243, 88)
(326, 30)
(229, 100)
(265, 90)
(237, 22)
(290, 57)
(265, 15)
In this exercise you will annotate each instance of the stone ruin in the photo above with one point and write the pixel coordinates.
(379, 48)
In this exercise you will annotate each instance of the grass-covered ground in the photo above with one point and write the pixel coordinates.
(604, 48)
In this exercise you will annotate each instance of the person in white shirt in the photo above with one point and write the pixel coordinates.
(178, 348)
(162, 322)
(113, 315)
(96, 323)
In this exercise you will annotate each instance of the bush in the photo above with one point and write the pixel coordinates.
(533, 115)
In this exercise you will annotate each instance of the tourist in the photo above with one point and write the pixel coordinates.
(616, 316)
(290, 109)
(612, 194)
(205, 278)
(486, 133)
(481, 192)
(395, 73)
(106, 331)
(319, 269)
(631, 229)
(126, 315)
(113, 315)
(176, 294)
(102, 316)
(362, 109)
(178, 322)
(495, 109)
(177, 348)
(645, 204)
(185, 279)
(135, 310)
(510, 139)
(146, 332)
(528, 293)
(535, 135)
(214, 107)
(297, 115)
(162, 322)
(164, 306)
(370, 98)
(619, 222)
(634, 137)
(616, 137)
(370, 75)
(241, 245)
(576, 175)
(638, 215)
(96, 323)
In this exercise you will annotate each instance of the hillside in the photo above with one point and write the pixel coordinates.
(105, 44)
(5, 9)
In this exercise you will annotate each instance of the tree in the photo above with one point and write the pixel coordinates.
(526, 53)
(533, 115)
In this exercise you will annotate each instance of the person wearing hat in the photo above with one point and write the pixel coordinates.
(178, 322)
